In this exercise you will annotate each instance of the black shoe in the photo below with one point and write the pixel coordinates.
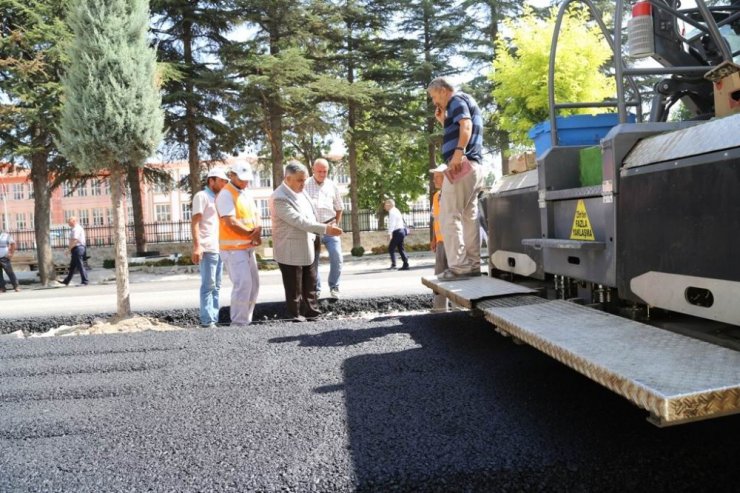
(312, 315)
(392, 267)
(405, 267)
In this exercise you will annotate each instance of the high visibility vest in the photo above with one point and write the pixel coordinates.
(230, 238)
(435, 215)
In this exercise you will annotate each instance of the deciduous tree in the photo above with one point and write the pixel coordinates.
(521, 68)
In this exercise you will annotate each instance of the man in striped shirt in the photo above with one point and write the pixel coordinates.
(327, 202)
(461, 144)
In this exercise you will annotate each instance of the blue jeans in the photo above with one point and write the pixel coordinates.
(211, 268)
(333, 245)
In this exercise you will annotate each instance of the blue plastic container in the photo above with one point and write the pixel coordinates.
(575, 130)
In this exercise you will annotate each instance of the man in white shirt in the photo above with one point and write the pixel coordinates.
(327, 202)
(204, 224)
(7, 250)
(77, 246)
(397, 232)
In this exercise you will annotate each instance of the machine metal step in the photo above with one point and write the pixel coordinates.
(467, 292)
(677, 379)
(563, 244)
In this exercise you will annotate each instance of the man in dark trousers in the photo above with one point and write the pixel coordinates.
(76, 251)
(294, 229)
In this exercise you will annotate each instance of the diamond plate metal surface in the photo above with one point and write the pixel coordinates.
(676, 378)
(715, 135)
(469, 291)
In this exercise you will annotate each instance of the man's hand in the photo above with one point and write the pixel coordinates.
(433, 246)
(256, 235)
(197, 254)
(332, 230)
(455, 161)
(439, 114)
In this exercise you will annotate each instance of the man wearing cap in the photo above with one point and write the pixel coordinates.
(204, 224)
(440, 303)
(294, 229)
(462, 144)
(327, 201)
(239, 231)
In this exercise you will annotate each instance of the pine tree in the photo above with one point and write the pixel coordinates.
(276, 72)
(192, 40)
(31, 35)
(112, 116)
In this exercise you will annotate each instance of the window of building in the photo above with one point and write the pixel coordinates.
(130, 214)
(96, 188)
(3, 224)
(106, 187)
(347, 202)
(162, 213)
(67, 215)
(340, 176)
(187, 211)
(264, 206)
(31, 220)
(31, 194)
(97, 215)
(67, 189)
(82, 189)
(265, 179)
(18, 191)
(84, 217)
(20, 221)
(109, 215)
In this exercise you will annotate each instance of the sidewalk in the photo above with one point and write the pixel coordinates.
(143, 274)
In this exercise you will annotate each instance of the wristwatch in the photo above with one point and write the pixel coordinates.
(460, 149)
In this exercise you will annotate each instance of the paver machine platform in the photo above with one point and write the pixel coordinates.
(635, 280)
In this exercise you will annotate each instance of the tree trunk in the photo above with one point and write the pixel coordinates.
(123, 297)
(276, 140)
(41, 213)
(133, 174)
(191, 128)
(352, 109)
(354, 193)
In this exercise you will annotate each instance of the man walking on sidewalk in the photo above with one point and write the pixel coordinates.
(7, 250)
(397, 232)
(77, 246)
(327, 202)
(204, 225)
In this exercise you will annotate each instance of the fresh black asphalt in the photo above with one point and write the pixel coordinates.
(397, 403)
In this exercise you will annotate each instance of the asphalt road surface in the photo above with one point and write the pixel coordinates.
(397, 403)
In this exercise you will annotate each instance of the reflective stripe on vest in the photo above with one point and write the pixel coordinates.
(230, 238)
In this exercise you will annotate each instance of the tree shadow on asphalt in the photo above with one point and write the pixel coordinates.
(467, 410)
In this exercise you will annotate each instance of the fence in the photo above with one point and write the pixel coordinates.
(177, 232)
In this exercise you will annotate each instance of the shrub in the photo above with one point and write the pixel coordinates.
(109, 263)
(357, 251)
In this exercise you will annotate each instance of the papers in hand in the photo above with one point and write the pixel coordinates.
(463, 171)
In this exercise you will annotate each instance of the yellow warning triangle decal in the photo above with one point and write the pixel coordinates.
(581, 225)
